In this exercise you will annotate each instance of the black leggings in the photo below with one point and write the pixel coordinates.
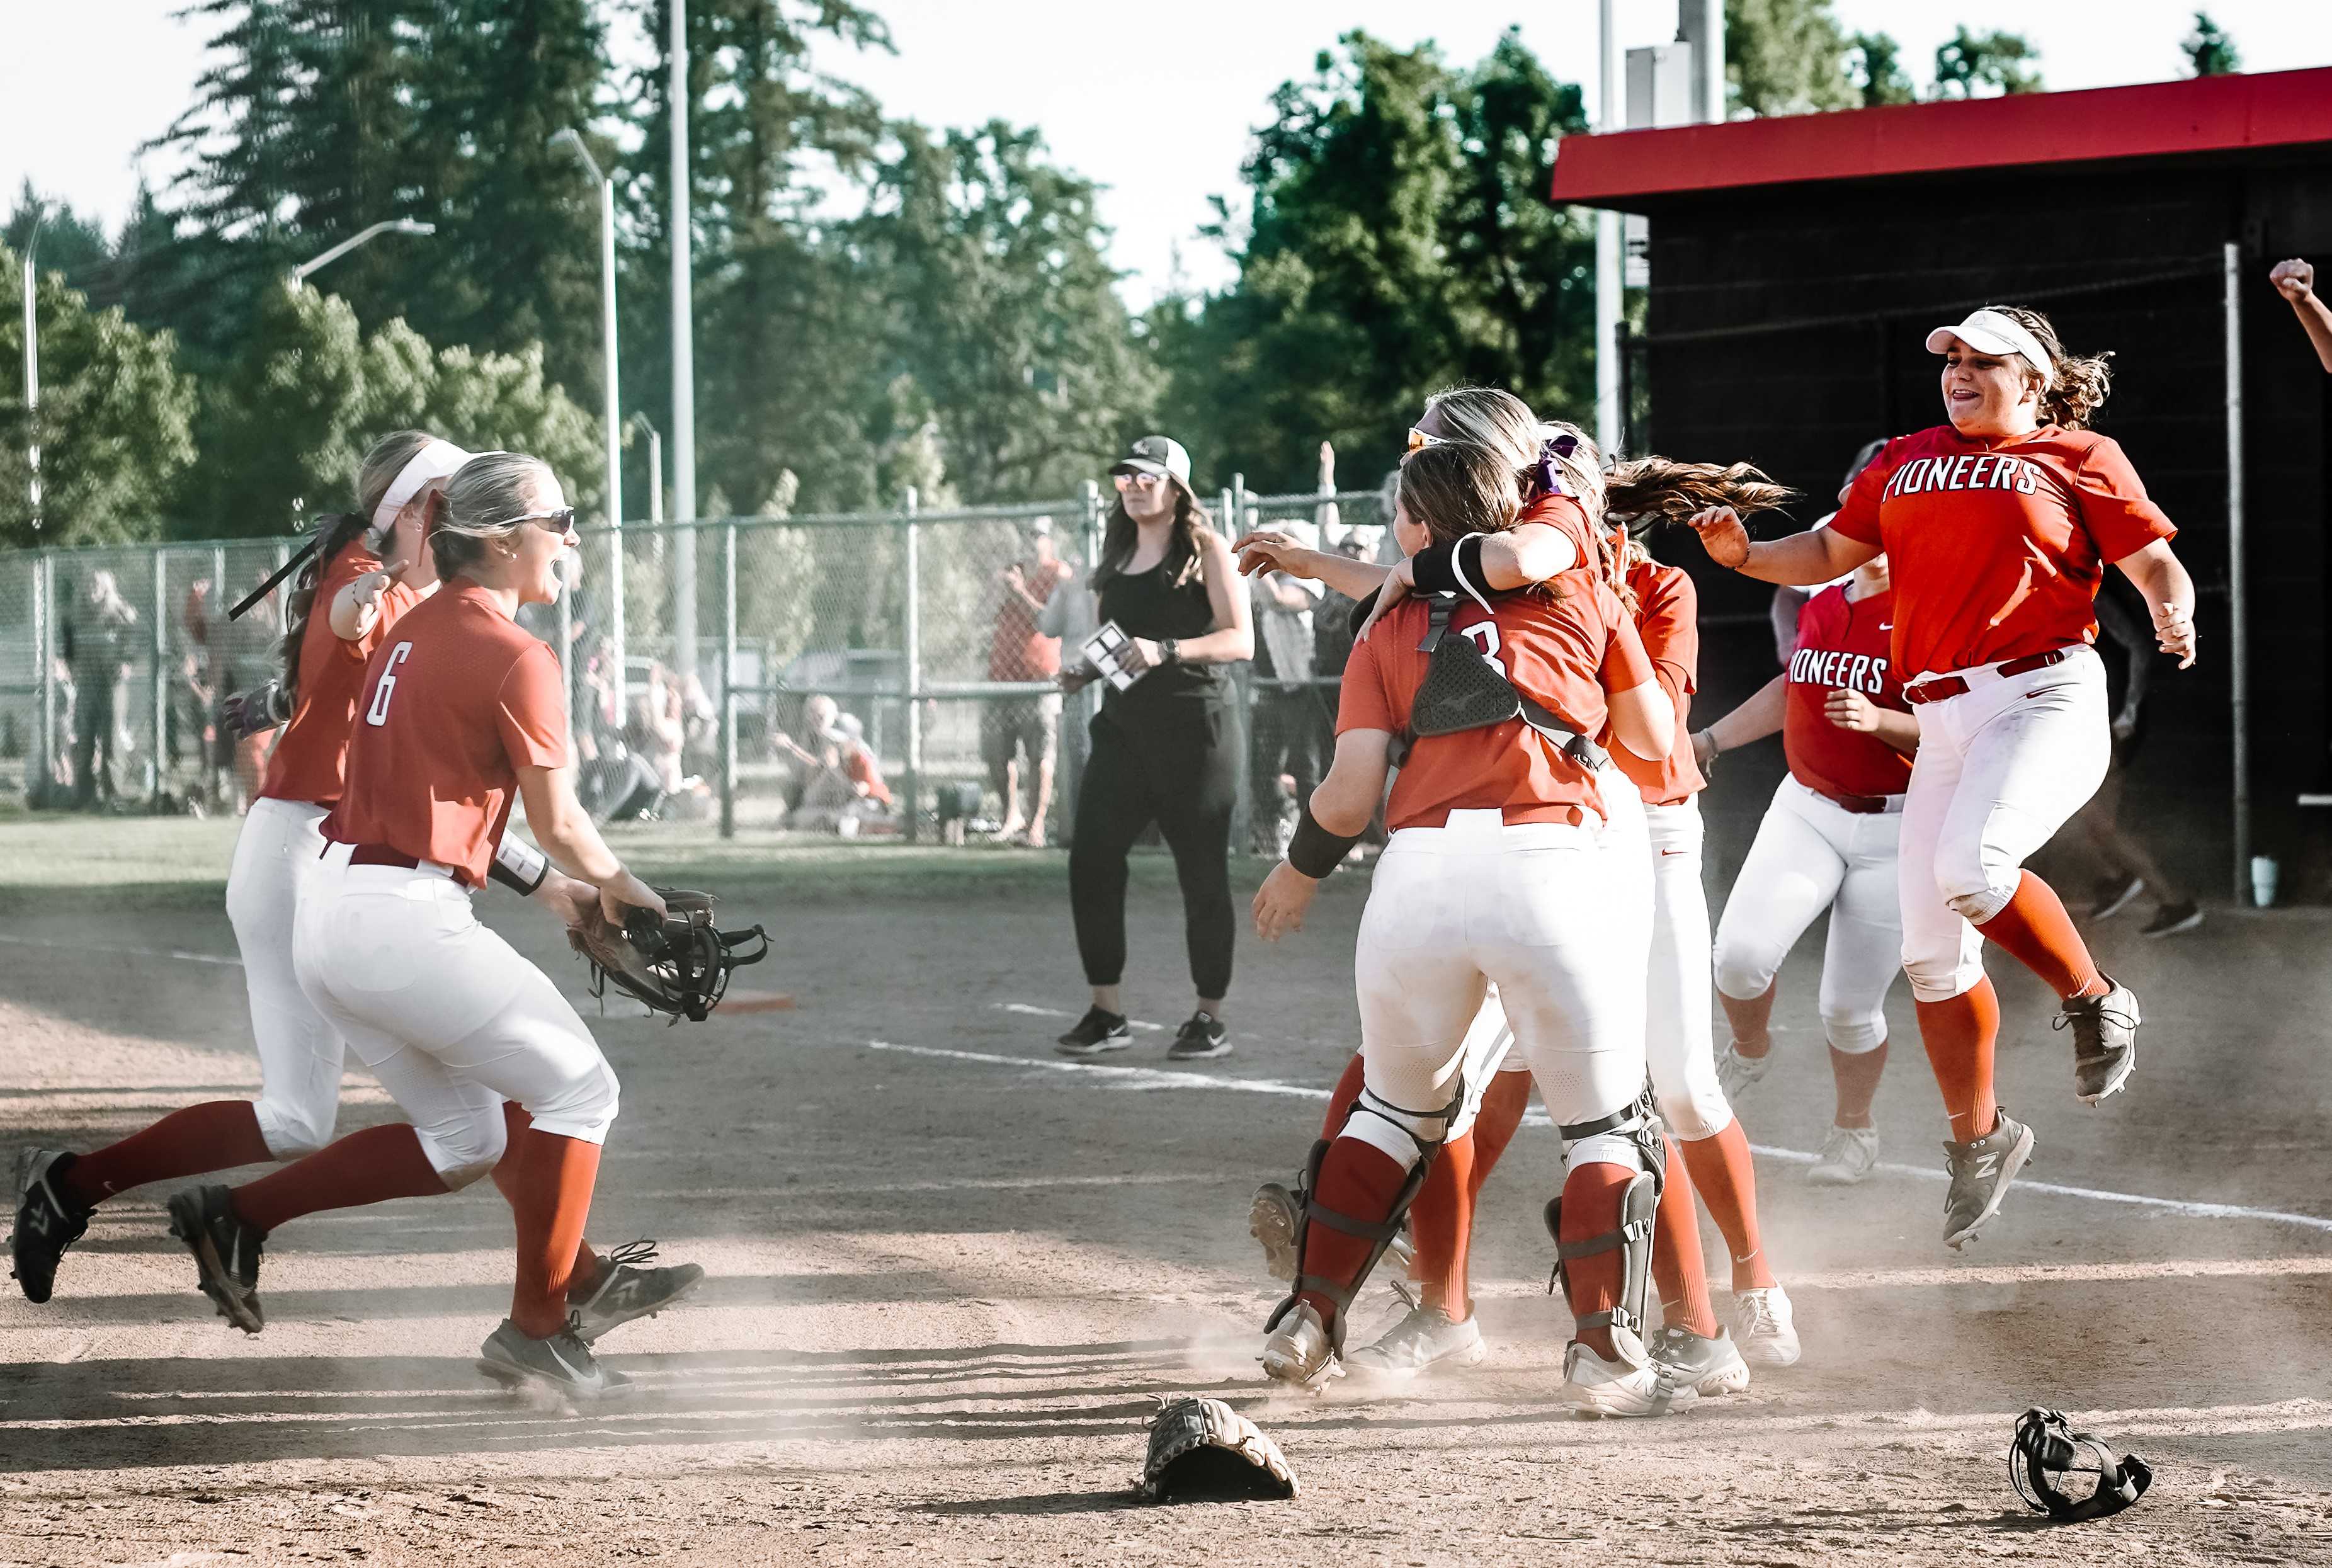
(1188, 790)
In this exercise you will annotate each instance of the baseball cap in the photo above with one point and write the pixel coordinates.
(1991, 332)
(1160, 454)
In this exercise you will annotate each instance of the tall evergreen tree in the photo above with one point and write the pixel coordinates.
(2209, 50)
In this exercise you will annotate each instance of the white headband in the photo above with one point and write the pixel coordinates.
(437, 460)
(1990, 332)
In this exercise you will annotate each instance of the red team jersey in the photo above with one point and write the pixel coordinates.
(1565, 651)
(1997, 544)
(310, 758)
(455, 704)
(1667, 619)
(1843, 644)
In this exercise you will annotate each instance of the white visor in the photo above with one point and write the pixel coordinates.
(437, 460)
(1990, 332)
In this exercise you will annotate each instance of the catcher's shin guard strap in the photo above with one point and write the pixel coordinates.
(1638, 1203)
(518, 865)
(1378, 1236)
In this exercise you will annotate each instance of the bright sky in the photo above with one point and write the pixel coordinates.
(83, 84)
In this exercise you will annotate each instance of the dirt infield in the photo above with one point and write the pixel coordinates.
(950, 1274)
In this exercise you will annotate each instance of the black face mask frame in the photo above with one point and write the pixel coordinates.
(2046, 1446)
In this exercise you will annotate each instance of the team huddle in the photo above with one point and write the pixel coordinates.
(1537, 914)
(418, 711)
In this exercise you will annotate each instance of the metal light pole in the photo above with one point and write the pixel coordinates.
(610, 416)
(656, 472)
(1610, 277)
(299, 274)
(32, 379)
(683, 363)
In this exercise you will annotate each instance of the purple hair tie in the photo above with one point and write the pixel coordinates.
(1547, 473)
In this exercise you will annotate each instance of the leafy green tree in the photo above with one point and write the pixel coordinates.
(2209, 50)
(114, 422)
(1986, 64)
(1876, 68)
(1785, 57)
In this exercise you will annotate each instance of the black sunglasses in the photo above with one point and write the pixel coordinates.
(559, 521)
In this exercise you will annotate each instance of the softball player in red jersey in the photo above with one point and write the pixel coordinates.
(1828, 841)
(1998, 528)
(460, 713)
(1497, 874)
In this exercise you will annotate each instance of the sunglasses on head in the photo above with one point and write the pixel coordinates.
(1418, 440)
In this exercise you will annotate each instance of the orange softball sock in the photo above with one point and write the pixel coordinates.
(1960, 1034)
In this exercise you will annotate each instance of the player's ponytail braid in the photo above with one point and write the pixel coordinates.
(2077, 390)
(375, 474)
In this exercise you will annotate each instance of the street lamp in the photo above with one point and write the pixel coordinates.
(299, 274)
(32, 372)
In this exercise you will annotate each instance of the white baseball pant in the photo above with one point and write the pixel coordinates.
(2001, 767)
(1549, 914)
(1678, 1045)
(1812, 854)
(449, 1017)
(299, 1049)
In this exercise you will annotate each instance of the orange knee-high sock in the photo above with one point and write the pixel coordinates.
(1679, 1271)
(1590, 1208)
(188, 1142)
(1728, 1179)
(1441, 1222)
(516, 1124)
(1960, 1035)
(2034, 928)
(1360, 1181)
(368, 1167)
(554, 1178)
(1347, 1090)
(1495, 1124)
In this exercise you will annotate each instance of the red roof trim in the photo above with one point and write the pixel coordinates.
(2209, 114)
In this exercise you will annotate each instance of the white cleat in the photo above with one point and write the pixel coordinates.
(1848, 1156)
(1418, 1343)
(1735, 1072)
(1766, 1327)
(1711, 1366)
(1593, 1387)
(1299, 1353)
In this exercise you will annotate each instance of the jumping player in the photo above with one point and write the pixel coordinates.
(1829, 841)
(370, 569)
(459, 713)
(1998, 527)
(1497, 874)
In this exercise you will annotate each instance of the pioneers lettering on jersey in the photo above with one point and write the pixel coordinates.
(1997, 544)
(1566, 644)
(1843, 645)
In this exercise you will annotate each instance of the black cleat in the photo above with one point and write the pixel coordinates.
(1201, 1037)
(2114, 895)
(562, 1363)
(2174, 918)
(1097, 1033)
(226, 1252)
(626, 1290)
(48, 1220)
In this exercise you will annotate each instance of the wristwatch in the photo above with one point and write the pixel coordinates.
(1170, 651)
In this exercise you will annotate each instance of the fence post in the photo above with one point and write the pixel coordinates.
(616, 642)
(1076, 708)
(729, 680)
(161, 671)
(911, 537)
(1242, 734)
(38, 785)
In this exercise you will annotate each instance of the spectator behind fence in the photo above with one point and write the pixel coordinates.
(97, 643)
(1163, 747)
(2295, 279)
(1012, 728)
(842, 787)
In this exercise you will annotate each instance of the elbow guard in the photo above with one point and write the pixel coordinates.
(518, 865)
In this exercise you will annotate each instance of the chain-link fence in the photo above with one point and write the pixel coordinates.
(867, 675)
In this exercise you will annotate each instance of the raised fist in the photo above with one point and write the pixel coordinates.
(2295, 279)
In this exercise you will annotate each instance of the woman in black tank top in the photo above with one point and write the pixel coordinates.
(1163, 748)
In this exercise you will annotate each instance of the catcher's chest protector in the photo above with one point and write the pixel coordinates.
(1463, 691)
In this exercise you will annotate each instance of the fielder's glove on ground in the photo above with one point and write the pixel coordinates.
(1204, 1450)
(678, 965)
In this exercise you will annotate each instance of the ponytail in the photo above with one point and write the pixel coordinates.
(2078, 388)
(339, 533)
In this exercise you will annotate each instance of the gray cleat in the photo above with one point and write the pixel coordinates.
(562, 1363)
(2104, 1040)
(1981, 1171)
(627, 1289)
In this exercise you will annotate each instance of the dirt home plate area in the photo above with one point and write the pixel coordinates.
(951, 1274)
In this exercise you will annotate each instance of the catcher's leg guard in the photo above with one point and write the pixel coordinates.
(1633, 1136)
(1408, 1127)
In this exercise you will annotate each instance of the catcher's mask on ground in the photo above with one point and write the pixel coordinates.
(2048, 1452)
(679, 965)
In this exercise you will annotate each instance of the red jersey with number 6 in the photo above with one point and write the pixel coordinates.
(1997, 544)
(1843, 644)
(310, 757)
(454, 703)
(1566, 643)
